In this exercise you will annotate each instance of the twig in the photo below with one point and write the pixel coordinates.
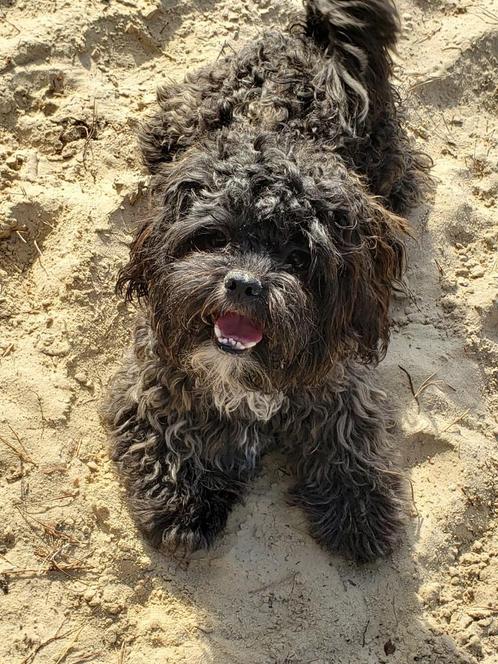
(7, 350)
(491, 609)
(6, 559)
(56, 637)
(90, 133)
(469, 498)
(3, 17)
(456, 420)
(426, 81)
(40, 406)
(63, 655)
(438, 265)
(425, 384)
(122, 653)
(20, 453)
(364, 634)
(18, 438)
(50, 530)
(410, 381)
(40, 256)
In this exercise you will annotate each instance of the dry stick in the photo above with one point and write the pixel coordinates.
(6, 560)
(491, 609)
(20, 453)
(426, 81)
(21, 444)
(438, 265)
(122, 652)
(427, 383)
(56, 637)
(38, 397)
(90, 134)
(456, 420)
(50, 530)
(410, 381)
(40, 256)
(63, 655)
(3, 17)
(364, 634)
(7, 350)
(26, 570)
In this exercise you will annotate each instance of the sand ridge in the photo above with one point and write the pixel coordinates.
(77, 582)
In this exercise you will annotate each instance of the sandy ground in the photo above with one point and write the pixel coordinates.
(77, 583)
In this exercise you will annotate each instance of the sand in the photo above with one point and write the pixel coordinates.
(77, 583)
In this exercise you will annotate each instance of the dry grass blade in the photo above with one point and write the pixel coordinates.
(55, 637)
(48, 528)
(456, 420)
(122, 653)
(23, 455)
(90, 134)
(21, 444)
(67, 650)
(427, 383)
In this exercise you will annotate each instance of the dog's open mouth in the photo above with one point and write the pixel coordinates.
(236, 334)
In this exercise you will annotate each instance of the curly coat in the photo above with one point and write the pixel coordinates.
(287, 161)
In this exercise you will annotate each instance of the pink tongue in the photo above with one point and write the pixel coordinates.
(239, 328)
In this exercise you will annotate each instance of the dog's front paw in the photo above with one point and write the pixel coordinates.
(362, 526)
(183, 526)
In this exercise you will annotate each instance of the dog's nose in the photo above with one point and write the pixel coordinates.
(242, 283)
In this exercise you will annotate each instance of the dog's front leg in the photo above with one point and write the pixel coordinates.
(347, 478)
(183, 476)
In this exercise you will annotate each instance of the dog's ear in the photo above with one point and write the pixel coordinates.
(178, 186)
(132, 281)
(381, 265)
(370, 256)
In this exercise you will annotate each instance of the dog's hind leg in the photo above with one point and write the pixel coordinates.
(347, 479)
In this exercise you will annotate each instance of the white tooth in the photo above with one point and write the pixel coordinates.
(217, 332)
(239, 345)
(250, 344)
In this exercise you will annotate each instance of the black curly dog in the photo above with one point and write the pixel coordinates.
(265, 273)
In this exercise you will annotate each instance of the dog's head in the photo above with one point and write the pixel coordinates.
(269, 261)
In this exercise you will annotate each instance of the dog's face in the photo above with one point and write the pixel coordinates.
(269, 264)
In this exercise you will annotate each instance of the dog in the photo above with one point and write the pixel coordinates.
(279, 174)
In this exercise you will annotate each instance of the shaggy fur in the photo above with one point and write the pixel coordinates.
(285, 164)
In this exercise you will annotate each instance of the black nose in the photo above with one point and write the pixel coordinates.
(242, 283)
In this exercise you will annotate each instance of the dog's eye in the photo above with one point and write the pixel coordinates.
(207, 241)
(298, 260)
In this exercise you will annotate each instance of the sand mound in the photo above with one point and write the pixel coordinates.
(79, 585)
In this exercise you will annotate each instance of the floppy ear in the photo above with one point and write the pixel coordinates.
(370, 257)
(382, 264)
(132, 280)
(177, 186)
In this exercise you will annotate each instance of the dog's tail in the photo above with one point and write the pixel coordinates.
(357, 35)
